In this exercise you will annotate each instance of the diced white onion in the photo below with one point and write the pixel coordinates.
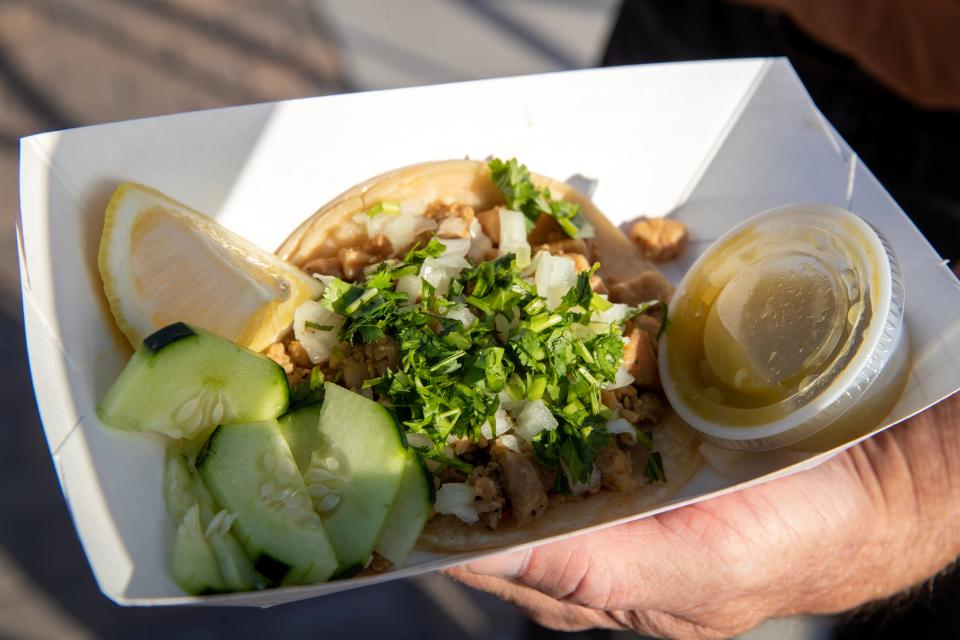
(504, 326)
(510, 441)
(325, 279)
(453, 262)
(622, 379)
(555, 276)
(534, 418)
(503, 424)
(619, 425)
(419, 440)
(453, 227)
(616, 313)
(436, 274)
(441, 271)
(420, 224)
(410, 285)
(475, 229)
(479, 248)
(531, 268)
(401, 228)
(350, 232)
(513, 236)
(413, 207)
(371, 269)
(455, 246)
(377, 224)
(461, 313)
(318, 344)
(479, 242)
(509, 404)
(486, 431)
(457, 499)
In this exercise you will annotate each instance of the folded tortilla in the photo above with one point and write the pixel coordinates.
(468, 182)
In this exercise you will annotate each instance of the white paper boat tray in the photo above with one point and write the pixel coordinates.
(707, 143)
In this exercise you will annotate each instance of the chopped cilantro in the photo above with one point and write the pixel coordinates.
(451, 373)
(513, 181)
(660, 306)
(654, 469)
(416, 255)
(316, 378)
(306, 392)
(645, 438)
(387, 206)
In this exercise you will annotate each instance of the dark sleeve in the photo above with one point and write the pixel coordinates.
(912, 46)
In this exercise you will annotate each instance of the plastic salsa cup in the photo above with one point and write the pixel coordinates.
(788, 331)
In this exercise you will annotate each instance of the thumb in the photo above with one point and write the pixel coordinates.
(503, 565)
(560, 570)
(608, 569)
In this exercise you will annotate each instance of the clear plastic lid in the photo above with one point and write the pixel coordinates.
(781, 326)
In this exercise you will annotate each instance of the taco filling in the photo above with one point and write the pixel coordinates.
(521, 370)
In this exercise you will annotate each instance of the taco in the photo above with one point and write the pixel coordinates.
(467, 297)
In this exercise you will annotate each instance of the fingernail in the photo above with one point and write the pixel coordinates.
(504, 565)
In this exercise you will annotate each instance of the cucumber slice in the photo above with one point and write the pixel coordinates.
(351, 454)
(178, 493)
(170, 333)
(184, 490)
(409, 512)
(235, 565)
(184, 381)
(193, 564)
(250, 472)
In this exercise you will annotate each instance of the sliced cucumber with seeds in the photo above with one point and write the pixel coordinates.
(409, 512)
(251, 473)
(236, 567)
(352, 458)
(178, 494)
(184, 381)
(183, 490)
(193, 564)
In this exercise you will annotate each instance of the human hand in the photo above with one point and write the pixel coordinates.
(868, 523)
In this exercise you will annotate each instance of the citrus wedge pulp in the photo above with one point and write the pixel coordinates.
(162, 262)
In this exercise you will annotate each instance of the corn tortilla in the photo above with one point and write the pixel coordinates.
(468, 182)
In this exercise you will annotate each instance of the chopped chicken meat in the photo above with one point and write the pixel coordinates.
(641, 359)
(490, 223)
(299, 355)
(363, 362)
(521, 483)
(647, 286)
(616, 469)
(324, 266)
(545, 230)
(659, 239)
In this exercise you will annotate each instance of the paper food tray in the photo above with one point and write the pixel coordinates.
(707, 143)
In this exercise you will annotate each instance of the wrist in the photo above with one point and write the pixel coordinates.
(931, 444)
(917, 470)
(907, 526)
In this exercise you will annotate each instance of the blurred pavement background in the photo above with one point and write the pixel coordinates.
(66, 63)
